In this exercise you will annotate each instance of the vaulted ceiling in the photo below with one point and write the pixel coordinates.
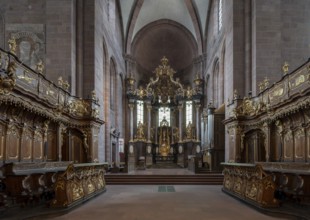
(157, 28)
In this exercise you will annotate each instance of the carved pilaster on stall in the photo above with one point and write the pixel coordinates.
(61, 135)
(280, 131)
(46, 147)
(267, 132)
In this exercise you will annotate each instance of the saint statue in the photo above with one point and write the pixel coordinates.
(189, 131)
(140, 131)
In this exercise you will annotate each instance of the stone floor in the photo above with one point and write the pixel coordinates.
(154, 202)
(151, 203)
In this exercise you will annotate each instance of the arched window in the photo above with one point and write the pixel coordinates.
(220, 15)
(189, 112)
(140, 111)
(112, 84)
(164, 112)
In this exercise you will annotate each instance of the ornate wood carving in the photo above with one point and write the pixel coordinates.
(26, 144)
(79, 182)
(250, 183)
(31, 108)
(284, 107)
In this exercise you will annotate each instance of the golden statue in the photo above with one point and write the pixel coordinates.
(140, 131)
(189, 131)
(164, 138)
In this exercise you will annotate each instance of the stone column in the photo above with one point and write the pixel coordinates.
(149, 108)
(204, 131)
(197, 122)
(180, 107)
(148, 152)
(156, 126)
(131, 106)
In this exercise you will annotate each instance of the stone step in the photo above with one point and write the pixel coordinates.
(199, 179)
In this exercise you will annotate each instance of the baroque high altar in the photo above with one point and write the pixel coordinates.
(169, 131)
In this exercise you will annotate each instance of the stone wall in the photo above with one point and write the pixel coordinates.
(78, 38)
(281, 32)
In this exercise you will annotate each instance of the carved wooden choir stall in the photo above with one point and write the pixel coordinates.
(43, 128)
(272, 130)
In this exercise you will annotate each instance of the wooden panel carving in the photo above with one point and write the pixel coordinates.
(300, 144)
(288, 146)
(2, 135)
(51, 145)
(26, 145)
(250, 183)
(308, 144)
(12, 143)
(79, 182)
(37, 146)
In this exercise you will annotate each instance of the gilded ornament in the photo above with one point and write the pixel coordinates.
(12, 45)
(164, 88)
(285, 68)
(40, 66)
(79, 107)
(8, 81)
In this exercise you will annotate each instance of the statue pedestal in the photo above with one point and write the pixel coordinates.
(181, 160)
(149, 161)
(131, 163)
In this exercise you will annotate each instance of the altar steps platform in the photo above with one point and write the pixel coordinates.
(195, 179)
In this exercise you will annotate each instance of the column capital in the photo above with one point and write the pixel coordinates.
(131, 106)
(149, 107)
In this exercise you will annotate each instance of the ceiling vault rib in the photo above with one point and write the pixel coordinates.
(136, 7)
(196, 22)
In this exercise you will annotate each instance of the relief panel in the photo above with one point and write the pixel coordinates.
(288, 146)
(12, 143)
(26, 145)
(51, 145)
(299, 143)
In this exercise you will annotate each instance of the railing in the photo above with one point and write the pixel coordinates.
(293, 85)
(17, 77)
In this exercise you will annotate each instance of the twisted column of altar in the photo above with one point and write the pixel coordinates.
(149, 108)
(180, 107)
(197, 121)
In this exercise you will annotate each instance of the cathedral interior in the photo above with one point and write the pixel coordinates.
(185, 92)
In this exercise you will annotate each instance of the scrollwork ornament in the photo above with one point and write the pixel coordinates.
(8, 82)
